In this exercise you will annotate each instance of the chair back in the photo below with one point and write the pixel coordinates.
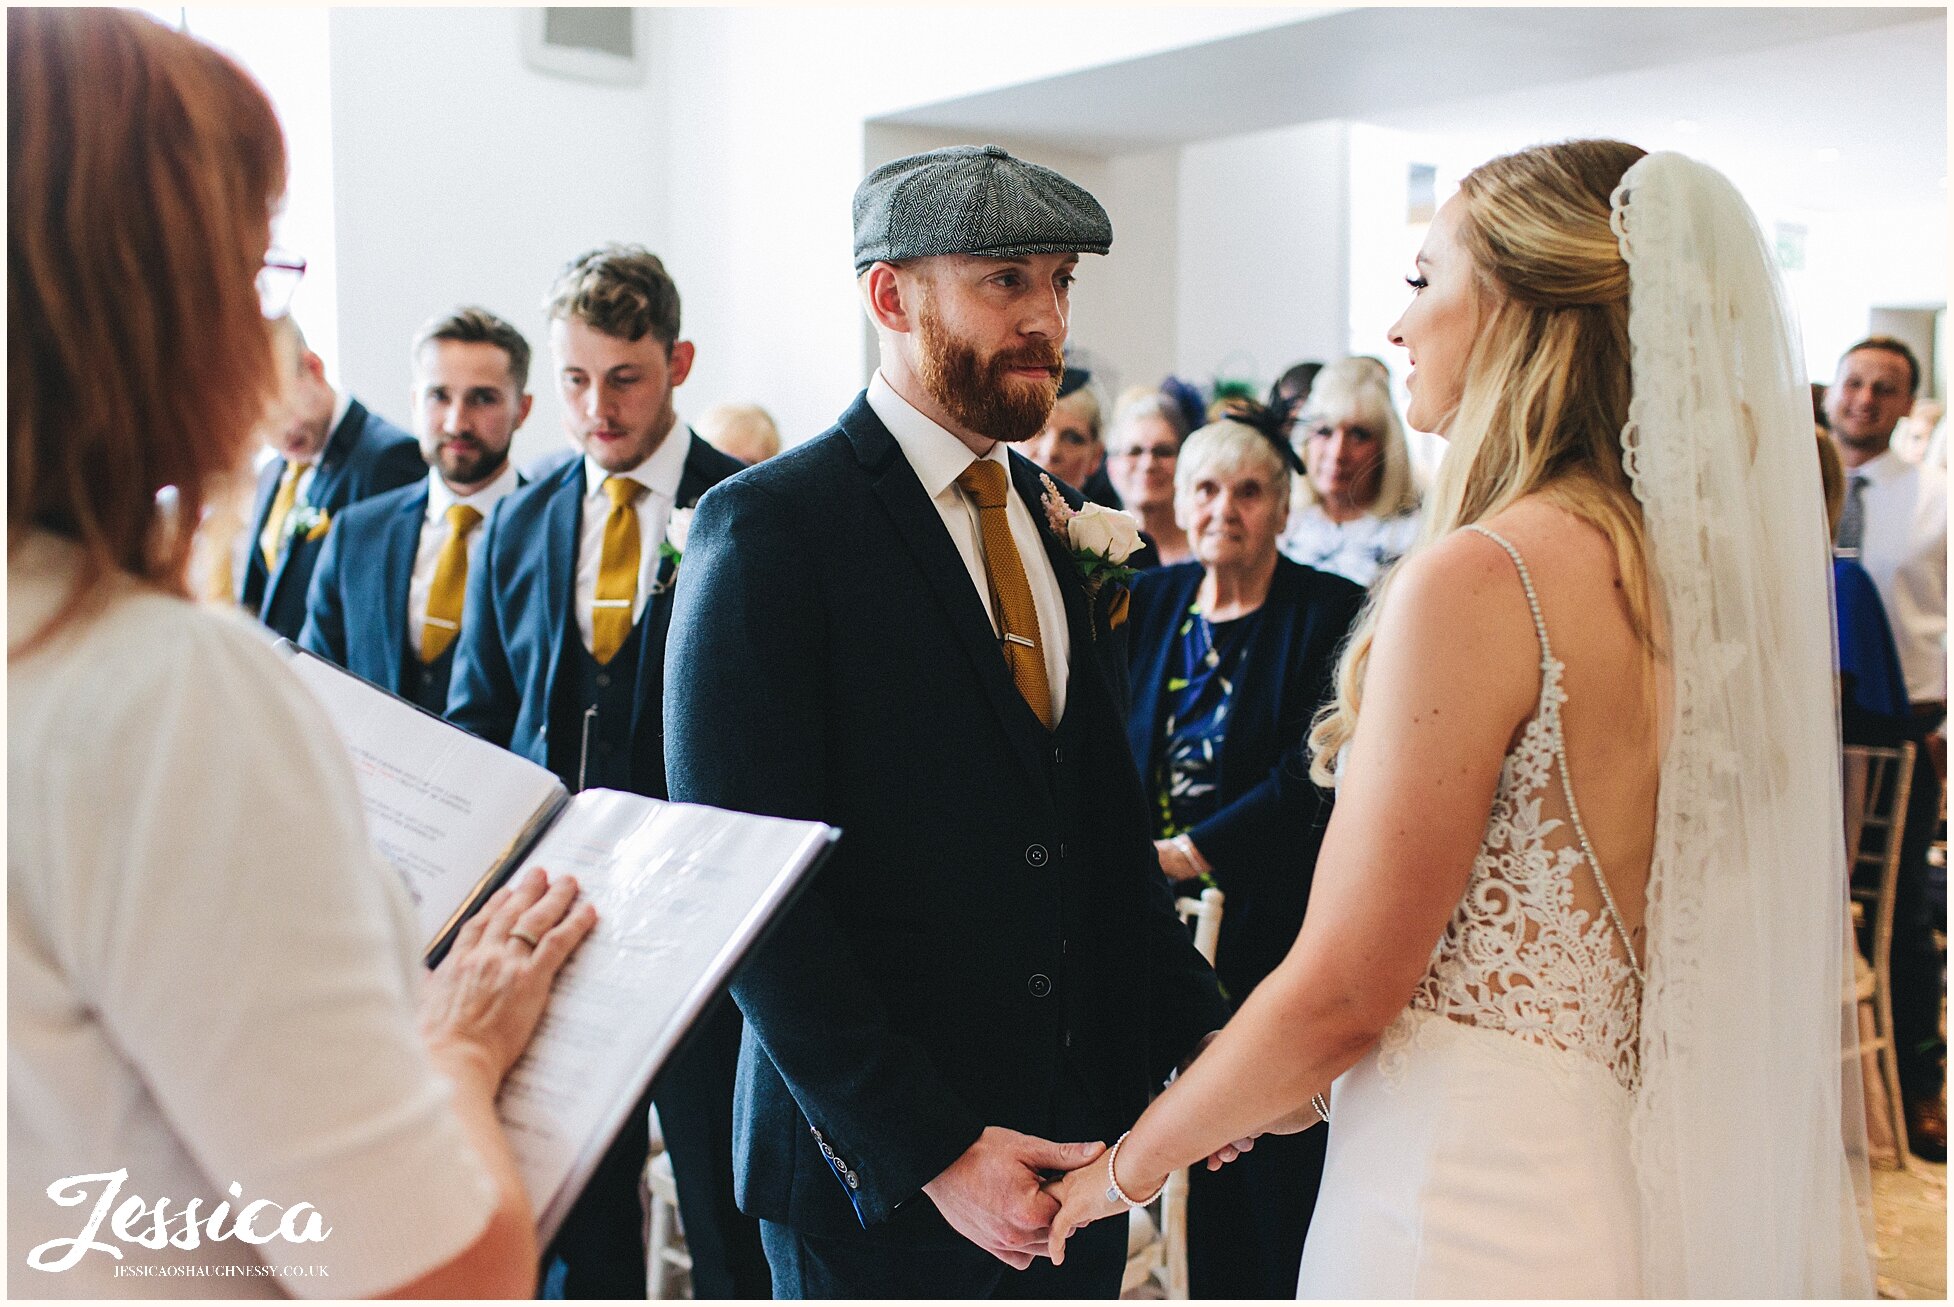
(1204, 914)
(1878, 785)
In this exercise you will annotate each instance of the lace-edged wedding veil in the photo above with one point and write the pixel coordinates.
(1748, 1136)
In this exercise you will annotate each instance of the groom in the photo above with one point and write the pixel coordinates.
(880, 629)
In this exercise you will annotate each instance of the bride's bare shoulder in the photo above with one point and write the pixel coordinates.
(1552, 541)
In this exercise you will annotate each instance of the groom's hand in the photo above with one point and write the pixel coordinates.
(990, 1195)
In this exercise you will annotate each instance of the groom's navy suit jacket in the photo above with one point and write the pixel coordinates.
(992, 942)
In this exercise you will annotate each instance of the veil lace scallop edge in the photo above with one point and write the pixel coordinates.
(1748, 1131)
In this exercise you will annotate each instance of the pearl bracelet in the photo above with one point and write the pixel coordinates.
(1115, 1194)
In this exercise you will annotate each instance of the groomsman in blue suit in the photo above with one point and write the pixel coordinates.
(386, 598)
(890, 629)
(332, 452)
(561, 659)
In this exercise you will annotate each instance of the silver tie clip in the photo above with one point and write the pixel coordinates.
(1019, 639)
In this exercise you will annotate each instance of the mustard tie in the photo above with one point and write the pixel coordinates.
(281, 508)
(617, 571)
(1024, 649)
(450, 584)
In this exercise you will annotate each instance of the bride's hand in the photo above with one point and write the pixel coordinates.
(1082, 1200)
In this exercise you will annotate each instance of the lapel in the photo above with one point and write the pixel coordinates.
(397, 551)
(693, 482)
(921, 531)
(1151, 688)
(562, 520)
(1025, 475)
(254, 557)
(324, 490)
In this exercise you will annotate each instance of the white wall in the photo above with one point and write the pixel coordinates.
(461, 175)
(1264, 249)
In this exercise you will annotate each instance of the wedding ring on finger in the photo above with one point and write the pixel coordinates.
(517, 932)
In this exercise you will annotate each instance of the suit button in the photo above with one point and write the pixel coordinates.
(1036, 855)
(1039, 986)
(1058, 754)
(603, 680)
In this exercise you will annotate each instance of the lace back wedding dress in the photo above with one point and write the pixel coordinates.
(1483, 1150)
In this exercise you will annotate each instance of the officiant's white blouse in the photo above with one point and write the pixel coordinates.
(211, 978)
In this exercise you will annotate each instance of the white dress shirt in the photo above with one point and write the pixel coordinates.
(1904, 548)
(434, 538)
(660, 475)
(938, 458)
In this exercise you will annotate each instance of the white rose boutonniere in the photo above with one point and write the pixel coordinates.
(305, 522)
(1101, 540)
(672, 548)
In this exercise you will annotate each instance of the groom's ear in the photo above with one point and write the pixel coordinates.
(889, 293)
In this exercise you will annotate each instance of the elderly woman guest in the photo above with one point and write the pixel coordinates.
(1143, 443)
(1355, 510)
(212, 982)
(1231, 655)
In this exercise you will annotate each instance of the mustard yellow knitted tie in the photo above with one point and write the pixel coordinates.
(617, 571)
(450, 584)
(281, 508)
(1024, 649)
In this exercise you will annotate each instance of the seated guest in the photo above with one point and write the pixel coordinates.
(1231, 656)
(1873, 706)
(1355, 511)
(1068, 445)
(331, 452)
(746, 431)
(212, 991)
(1142, 443)
(386, 598)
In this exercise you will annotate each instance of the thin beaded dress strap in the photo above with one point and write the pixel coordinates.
(1559, 733)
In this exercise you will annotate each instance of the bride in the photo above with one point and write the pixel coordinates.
(1571, 983)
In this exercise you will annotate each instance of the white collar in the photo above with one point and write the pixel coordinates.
(935, 454)
(661, 472)
(1881, 468)
(440, 498)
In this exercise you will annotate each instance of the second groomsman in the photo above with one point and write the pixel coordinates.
(386, 598)
(561, 659)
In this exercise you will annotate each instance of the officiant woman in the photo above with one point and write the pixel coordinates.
(214, 994)
(1231, 656)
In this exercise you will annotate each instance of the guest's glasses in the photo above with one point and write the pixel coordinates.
(278, 280)
(1164, 453)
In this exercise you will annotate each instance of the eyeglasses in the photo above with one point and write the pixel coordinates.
(278, 280)
(1165, 453)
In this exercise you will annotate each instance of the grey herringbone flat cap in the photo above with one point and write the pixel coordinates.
(973, 199)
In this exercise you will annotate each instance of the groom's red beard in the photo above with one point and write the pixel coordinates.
(983, 396)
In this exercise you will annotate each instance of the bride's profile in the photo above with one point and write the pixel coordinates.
(1571, 988)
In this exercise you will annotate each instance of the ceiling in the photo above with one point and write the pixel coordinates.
(1770, 87)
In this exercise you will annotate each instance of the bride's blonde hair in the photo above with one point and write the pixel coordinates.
(1546, 384)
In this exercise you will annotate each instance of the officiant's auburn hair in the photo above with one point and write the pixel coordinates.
(143, 168)
(1546, 385)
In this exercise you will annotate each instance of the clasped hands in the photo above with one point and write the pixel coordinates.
(996, 1196)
